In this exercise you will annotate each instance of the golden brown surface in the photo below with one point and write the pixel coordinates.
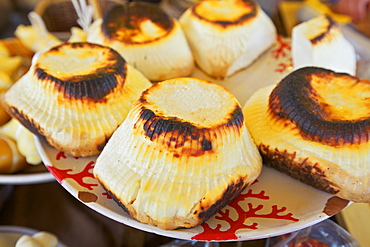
(136, 22)
(75, 95)
(314, 127)
(227, 36)
(182, 153)
(320, 31)
(326, 107)
(226, 12)
(149, 39)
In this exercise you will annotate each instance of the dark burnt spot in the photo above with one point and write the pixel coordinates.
(243, 4)
(236, 118)
(74, 45)
(101, 146)
(36, 129)
(176, 133)
(123, 20)
(93, 87)
(206, 145)
(331, 24)
(304, 171)
(114, 197)
(294, 99)
(25, 121)
(231, 192)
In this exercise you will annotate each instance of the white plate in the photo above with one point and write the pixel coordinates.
(274, 205)
(32, 175)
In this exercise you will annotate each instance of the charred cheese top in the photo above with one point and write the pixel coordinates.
(75, 95)
(319, 42)
(226, 13)
(136, 22)
(182, 153)
(330, 108)
(227, 35)
(77, 70)
(320, 29)
(217, 107)
(314, 126)
(149, 39)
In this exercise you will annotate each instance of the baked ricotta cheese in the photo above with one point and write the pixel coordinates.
(314, 126)
(226, 36)
(181, 155)
(75, 95)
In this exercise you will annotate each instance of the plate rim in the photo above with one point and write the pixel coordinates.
(185, 234)
(23, 179)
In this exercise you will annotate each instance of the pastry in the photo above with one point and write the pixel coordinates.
(182, 154)
(147, 38)
(75, 95)
(319, 42)
(226, 36)
(314, 126)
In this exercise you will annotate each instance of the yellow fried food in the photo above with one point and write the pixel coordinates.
(32, 40)
(24, 140)
(5, 80)
(10, 159)
(77, 35)
(4, 116)
(10, 64)
(4, 51)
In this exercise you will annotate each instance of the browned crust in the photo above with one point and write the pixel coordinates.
(251, 4)
(114, 197)
(36, 129)
(321, 36)
(91, 87)
(203, 211)
(295, 100)
(301, 169)
(182, 137)
(25, 121)
(126, 18)
(207, 210)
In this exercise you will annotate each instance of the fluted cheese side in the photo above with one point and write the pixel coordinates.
(222, 47)
(162, 56)
(76, 114)
(171, 178)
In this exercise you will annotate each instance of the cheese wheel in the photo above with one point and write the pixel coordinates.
(319, 42)
(75, 95)
(314, 126)
(226, 36)
(148, 39)
(182, 154)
